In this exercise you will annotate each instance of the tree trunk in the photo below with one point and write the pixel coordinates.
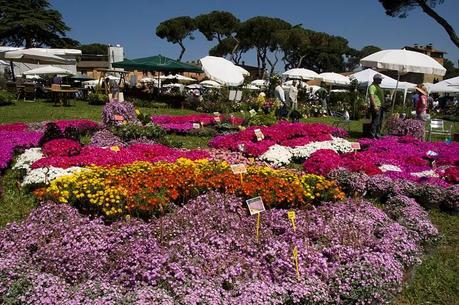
(273, 64)
(300, 61)
(182, 52)
(448, 28)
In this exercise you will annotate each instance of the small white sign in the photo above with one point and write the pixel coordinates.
(239, 169)
(241, 147)
(260, 136)
(216, 113)
(217, 119)
(355, 145)
(252, 112)
(255, 205)
(196, 125)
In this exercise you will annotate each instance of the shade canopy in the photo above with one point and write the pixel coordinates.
(450, 81)
(81, 77)
(210, 84)
(334, 78)
(222, 71)
(179, 78)
(441, 87)
(49, 70)
(41, 56)
(243, 71)
(301, 73)
(403, 61)
(365, 78)
(156, 63)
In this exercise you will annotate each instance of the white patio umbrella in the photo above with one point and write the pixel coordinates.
(334, 78)
(222, 71)
(450, 81)
(36, 56)
(251, 87)
(210, 84)
(441, 87)
(193, 86)
(259, 82)
(178, 77)
(49, 70)
(300, 83)
(403, 61)
(301, 73)
(148, 80)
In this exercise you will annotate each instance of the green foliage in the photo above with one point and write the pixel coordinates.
(132, 131)
(6, 98)
(176, 30)
(262, 120)
(97, 98)
(94, 49)
(353, 102)
(203, 132)
(451, 70)
(217, 25)
(32, 23)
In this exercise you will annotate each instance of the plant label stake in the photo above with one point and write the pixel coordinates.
(239, 169)
(355, 147)
(217, 119)
(241, 147)
(256, 206)
(196, 125)
(252, 112)
(291, 215)
(295, 259)
(119, 118)
(260, 136)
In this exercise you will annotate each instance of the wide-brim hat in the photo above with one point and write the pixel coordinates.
(421, 90)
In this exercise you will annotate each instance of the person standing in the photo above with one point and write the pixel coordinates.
(376, 101)
(293, 96)
(279, 95)
(421, 104)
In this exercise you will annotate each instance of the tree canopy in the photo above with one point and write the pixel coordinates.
(32, 23)
(94, 49)
(400, 8)
(217, 25)
(176, 30)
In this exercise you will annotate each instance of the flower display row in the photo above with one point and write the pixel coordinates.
(148, 188)
(81, 125)
(207, 253)
(283, 133)
(185, 123)
(61, 148)
(116, 156)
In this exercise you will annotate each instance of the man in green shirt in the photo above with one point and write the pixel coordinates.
(376, 101)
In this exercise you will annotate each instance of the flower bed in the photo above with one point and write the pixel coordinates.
(83, 126)
(146, 188)
(207, 253)
(184, 123)
(61, 148)
(116, 156)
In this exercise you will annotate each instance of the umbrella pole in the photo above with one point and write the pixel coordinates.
(395, 93)
(12, 71)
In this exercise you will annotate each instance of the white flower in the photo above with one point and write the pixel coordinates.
(26, 159)
(44, 175)
(389, 168)
(278, 155)
(427, 173)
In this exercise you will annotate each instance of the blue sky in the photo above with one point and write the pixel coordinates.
(362, 22)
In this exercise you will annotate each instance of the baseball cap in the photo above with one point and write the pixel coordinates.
(377, 76)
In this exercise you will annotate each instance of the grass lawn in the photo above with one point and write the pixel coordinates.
(433, 282)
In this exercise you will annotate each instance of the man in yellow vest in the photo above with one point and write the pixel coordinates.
(376, 101)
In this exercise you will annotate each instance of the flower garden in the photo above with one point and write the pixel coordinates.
(124, 216)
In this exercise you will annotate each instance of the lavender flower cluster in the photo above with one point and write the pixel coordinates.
(105, 138)
(114, 108)
(207, 253)
(382, 187)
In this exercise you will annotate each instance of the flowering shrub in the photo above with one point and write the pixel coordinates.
(322, 162)
(14, 127)
(114, 113)
(405, 127)
(278, 133)
(43, 176)
(116, 156)
(82, 126)
(143, 188)
(184, 123)
(451, 174)
(206, 253)
(11, 140)
(105, 138)
(61, 148)
(27, 158)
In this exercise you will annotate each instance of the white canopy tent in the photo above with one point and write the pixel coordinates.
(334, 78)
(301, 73)
(221, 70)
(49, 70)
(259, 83)
(450, 81)
(403, 61)
(243, 71)
(210, 84)
(441, 87)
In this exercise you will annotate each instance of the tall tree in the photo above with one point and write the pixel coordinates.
(354, 56)
(176, 30)
(295, 44)
(400, 8)
(32, 23)
(222, 26)
(94, 49)
(451, 70)
(260, 33)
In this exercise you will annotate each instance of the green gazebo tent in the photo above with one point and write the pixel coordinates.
(156, 63)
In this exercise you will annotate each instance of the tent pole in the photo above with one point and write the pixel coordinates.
(12, 71)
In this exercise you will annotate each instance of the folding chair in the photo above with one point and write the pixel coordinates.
(30, 90)
(437, 127)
